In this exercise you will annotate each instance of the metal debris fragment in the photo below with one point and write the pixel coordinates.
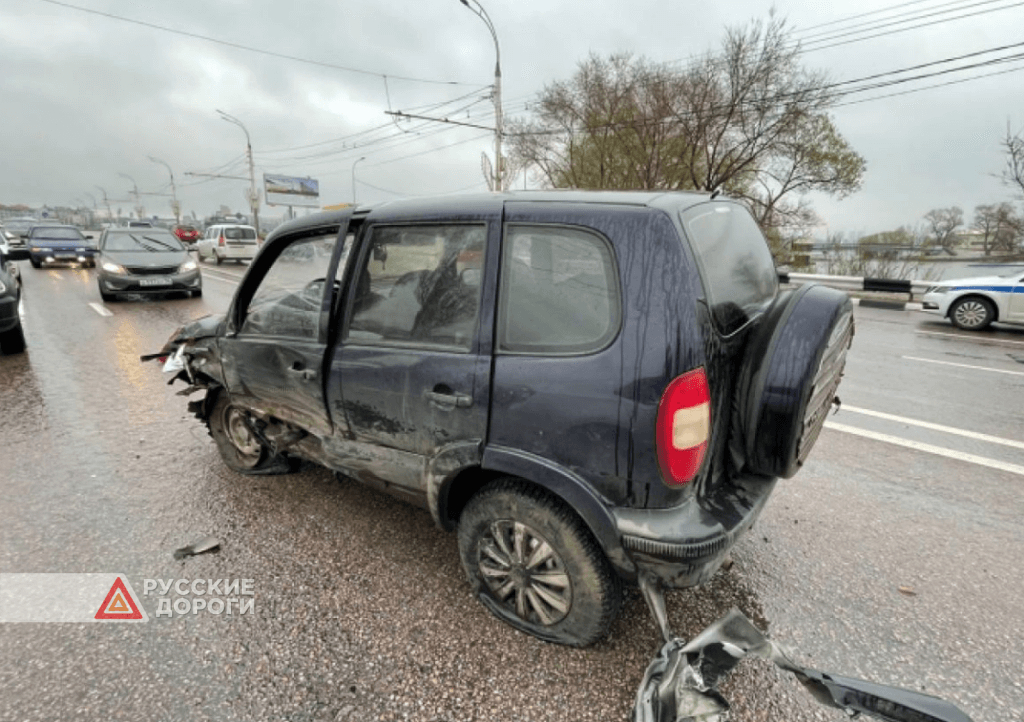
(206, 544)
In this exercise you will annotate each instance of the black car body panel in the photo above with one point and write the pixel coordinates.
(453, 349)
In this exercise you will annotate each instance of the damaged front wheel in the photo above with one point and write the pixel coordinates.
(239, 444)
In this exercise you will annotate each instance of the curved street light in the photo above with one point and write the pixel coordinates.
(478, 9)
(175, 206)
(254, 196)
(354, 179)
(139, 210)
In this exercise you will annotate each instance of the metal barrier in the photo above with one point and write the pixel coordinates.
(858, 283)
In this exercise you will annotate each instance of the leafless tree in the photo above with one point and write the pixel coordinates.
(748, 119)
(942, 224)
(1013, 173)
(1001, 226)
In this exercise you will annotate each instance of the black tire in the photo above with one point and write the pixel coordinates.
(198, 293)
(972, 313)
(35, 263)
(239, 447)
(792, 367)
(219, 259)
(108, 297)
(592, 592)
(12, 340)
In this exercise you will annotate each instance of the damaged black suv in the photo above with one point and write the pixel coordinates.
(591, 388)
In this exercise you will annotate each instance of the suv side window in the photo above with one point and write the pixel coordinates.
(559, 291)
(288, 299)
(419, 285)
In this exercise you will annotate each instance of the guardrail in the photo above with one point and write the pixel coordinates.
(858, 283)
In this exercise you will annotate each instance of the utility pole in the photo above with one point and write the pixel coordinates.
(499, 170)
(175, 206)
(254, 196)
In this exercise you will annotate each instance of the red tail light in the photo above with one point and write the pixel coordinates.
(221, 241)
(684, 425)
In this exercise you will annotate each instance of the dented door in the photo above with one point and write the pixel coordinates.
(412, 370)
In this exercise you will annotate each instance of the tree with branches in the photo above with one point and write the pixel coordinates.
(747, 119)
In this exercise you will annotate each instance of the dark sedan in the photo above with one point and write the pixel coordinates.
(144, 260)
(59, 244)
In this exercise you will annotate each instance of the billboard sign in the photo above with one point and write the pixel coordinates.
(286, 190)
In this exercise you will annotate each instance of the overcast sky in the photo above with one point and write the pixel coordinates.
(85, 97)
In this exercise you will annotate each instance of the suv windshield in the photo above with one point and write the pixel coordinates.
(737, 266)
(142, 241)
(43, 233)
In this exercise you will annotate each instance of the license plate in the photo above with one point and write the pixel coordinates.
(155, 282)
(66, 255)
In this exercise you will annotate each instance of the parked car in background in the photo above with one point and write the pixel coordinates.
(144, 260)
(187, 234)
(53, 243)
(974, 303)
(19, 227)
(12, 337)
(591, 388)
(228, 242)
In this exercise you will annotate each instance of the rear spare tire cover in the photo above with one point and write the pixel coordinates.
(792, 367)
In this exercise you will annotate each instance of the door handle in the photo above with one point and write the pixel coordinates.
(306, 374)
(462, 401)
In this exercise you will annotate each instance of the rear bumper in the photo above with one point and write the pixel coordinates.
(684, 546)
(236, 253)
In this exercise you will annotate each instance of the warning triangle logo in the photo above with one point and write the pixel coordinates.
(119, 604)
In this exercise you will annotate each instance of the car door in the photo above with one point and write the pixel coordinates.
(1016, 306)
(276, 342)
(412, 368)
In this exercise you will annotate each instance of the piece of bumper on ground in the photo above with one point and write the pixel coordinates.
(684, 546)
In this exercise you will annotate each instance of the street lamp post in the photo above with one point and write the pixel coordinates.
(106, 202)
(175, 206)
(354, 179)
(498, 130)
(139, 209)
(254, 196)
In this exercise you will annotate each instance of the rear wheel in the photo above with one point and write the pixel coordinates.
(12, 340)
(534, 564)
(972, 313)
(219, 259)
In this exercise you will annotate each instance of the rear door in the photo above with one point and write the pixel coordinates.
(412, 369)
(276, 346)
(1016, 305)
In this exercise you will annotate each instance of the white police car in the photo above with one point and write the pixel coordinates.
(973, 303)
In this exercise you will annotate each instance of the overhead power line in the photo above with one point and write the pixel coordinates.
(248, 48)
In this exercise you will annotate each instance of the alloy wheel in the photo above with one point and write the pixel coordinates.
(971, 314)
(524, 573)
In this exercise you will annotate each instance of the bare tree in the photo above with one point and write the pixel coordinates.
(748, 119)
(1013, 173)
(942, 224)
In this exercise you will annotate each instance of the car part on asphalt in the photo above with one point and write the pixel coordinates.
(972, 313)
(200, 546)
(681, 682)
(532, 563)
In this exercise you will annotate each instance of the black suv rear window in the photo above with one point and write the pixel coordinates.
(559, 291)
(736, 265)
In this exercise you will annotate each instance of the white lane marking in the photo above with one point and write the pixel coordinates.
(976, 339)
(207, 274)
(928, 448)
(101, 309)
(934, 427)
(965, 366)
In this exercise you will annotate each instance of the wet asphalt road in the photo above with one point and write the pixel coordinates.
(361, 608)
